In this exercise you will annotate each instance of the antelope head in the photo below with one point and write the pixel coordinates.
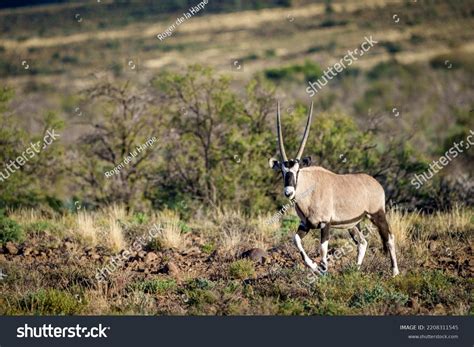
(290, 167)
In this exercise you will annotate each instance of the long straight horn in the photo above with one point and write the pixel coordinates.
(280, 136)
(306, 133)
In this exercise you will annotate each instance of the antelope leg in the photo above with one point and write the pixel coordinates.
(302, 231)
(324, 247)
(393, 255)
(361, 245)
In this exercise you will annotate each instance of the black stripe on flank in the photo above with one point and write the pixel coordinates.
(350, 221)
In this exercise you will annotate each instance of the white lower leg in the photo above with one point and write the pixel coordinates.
(393, 255)
(361, 248)
(324, 254)
(307, 259)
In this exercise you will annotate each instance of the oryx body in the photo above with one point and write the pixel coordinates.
(325, 200)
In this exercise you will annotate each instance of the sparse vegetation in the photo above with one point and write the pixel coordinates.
(155, 286)
(242, 269)
(434, 253)
(204, 184)
(9, 229)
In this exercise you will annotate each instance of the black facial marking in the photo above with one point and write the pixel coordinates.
(289, 164)
(290, 179)
(307, 161)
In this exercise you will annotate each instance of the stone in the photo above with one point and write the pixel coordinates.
(27, 251)
(256, 254)
(170, 268)
(150, 257)
(11, 248)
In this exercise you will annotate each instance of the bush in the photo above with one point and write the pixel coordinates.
(155, 286)
(41, 227)
(50, 302)
(392, 47)
(308, 71)
(375, 295)
(392, 69)
(456, 60)
(242, 269)
(9, 230)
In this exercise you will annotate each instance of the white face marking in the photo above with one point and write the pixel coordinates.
(289, 191)
(295, 168)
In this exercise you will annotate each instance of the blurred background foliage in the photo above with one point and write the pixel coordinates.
(215, 127)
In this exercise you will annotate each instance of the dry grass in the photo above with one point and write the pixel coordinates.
(86, 229)
(346, 291)
(170, 235)
(458, 219)
(116, 212)
(115, 237)
(402, 225)
(25, 215)
(264, 235)
(234, 230)
(231, 242)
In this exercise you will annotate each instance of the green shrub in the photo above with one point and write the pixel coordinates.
(155, 286)
(201, 298)
(308, 71)
(50, 302)
(40, 227)
(289, 224)
(184, 227)
(208, 248)
(9, 230)
(417, 39)
(200, 283)
(140, 218)
(456, 60)
(291, 307)
(392, 69)
(330, 308)
(375, 295)
(199, 293)
(392, 47)
(242, 269)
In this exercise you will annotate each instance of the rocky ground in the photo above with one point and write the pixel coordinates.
(201, 281)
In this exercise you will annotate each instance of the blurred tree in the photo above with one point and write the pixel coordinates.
(33, 170)
(215, 150)
(127, 119)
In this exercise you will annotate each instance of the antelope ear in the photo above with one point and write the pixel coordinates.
(306, 161)
(274, 164)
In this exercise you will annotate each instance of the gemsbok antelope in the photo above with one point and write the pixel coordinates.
(335, 201)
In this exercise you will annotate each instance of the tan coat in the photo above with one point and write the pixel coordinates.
(341, 200)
